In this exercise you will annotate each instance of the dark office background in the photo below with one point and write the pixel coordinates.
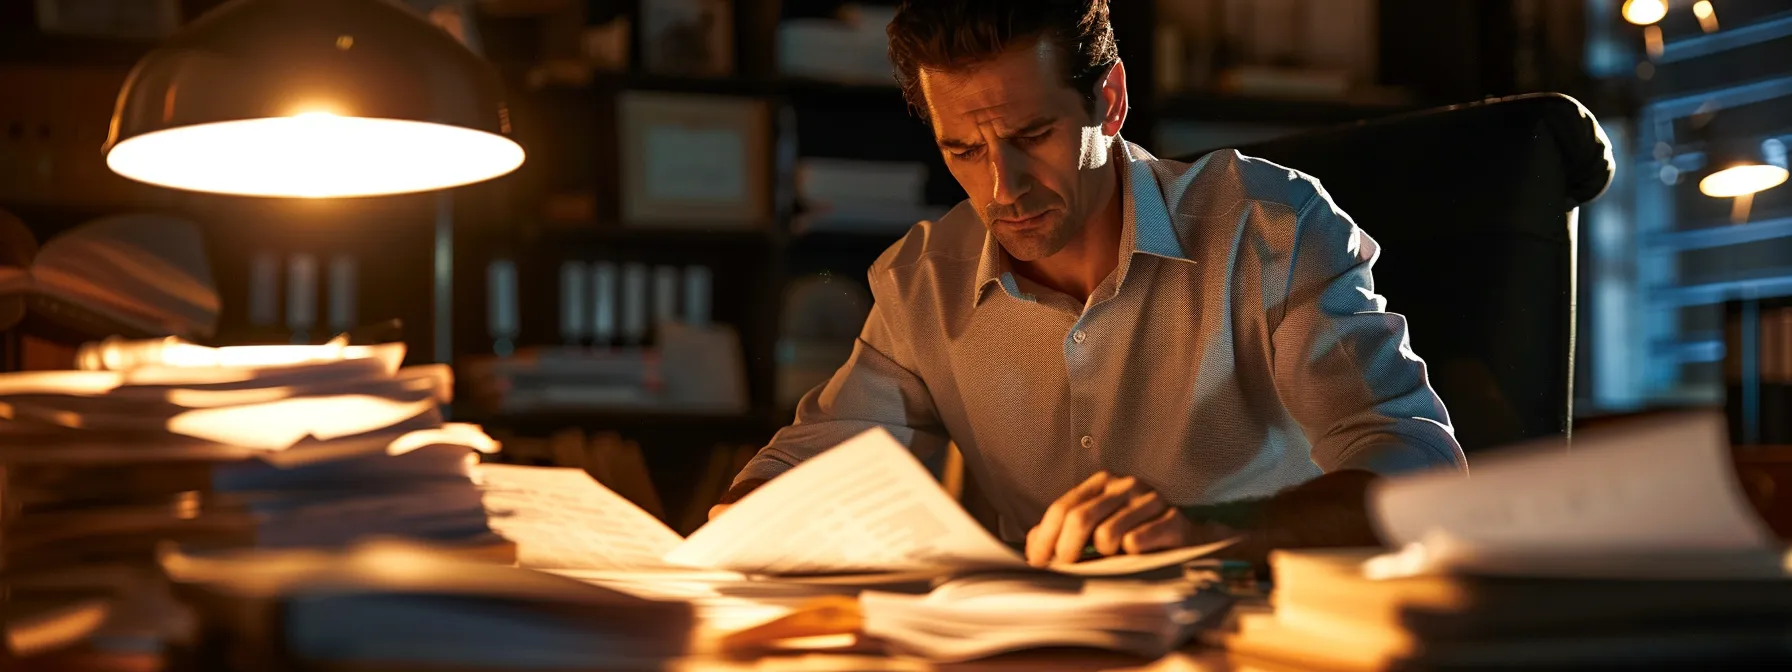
(782, 245)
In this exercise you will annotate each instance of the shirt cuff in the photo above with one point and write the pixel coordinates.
(1389, 459)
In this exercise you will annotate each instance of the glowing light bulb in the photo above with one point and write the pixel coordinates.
(1644, 12)
(315, 154)
(1742, 180)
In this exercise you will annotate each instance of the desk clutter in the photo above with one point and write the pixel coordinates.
(1639, 547)
(158, 442)
(243, 507)
(251, 507)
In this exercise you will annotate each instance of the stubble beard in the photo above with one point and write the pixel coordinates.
(1038, 243)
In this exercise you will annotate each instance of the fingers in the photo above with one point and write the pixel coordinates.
(1141, 509)
(717, 510)
(1168, 529)
(1082, 520)
(1042, 540)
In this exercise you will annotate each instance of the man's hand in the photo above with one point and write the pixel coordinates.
(734, 494)
(1118, 513)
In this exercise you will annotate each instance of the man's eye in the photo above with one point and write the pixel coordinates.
(966, 153)
(1033, 138)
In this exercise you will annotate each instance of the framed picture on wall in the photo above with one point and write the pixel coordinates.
(694, 161)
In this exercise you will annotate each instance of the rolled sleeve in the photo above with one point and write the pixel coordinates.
(872, 389)
(1343, 365)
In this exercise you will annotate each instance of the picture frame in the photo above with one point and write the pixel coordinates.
(694, 160)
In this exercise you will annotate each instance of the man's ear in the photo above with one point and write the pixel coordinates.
(1110, 99)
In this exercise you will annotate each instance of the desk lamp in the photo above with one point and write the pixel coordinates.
(316, 99)
(1740, 170)
(1745, 170)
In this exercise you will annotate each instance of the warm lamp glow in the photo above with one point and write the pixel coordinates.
(1644, 12)
(315, 155)
(1742, 180)
(1707, 15)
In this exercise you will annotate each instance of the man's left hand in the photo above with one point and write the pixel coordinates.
(1116, 513)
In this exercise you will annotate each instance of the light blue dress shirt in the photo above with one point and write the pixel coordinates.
(1239, 348)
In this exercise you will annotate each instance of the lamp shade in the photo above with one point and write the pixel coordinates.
(311, 98)
(1741, 169)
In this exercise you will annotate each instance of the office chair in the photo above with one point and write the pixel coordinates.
(1475, 207)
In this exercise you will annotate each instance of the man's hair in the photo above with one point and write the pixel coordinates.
(957, 34)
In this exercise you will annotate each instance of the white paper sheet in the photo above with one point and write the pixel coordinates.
(1662, 485)
(560, 518)
(867, 505)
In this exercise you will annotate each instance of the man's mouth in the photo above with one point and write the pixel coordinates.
(1024, 222)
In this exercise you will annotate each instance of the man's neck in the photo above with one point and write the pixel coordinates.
(1090, 257)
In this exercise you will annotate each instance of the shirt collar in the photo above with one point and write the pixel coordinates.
(1146, 227)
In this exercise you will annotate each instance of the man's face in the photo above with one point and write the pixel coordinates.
(1025, 146)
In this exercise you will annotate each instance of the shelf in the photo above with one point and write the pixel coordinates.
(1773, 282)
(852, 238)
(799, 87)
(1721, 235)
(33, 47)
(693, 234)
(1206, 107)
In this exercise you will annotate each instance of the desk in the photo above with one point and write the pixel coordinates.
(1198, 659)
(1766, 471)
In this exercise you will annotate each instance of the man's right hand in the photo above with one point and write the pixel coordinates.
(734, 494)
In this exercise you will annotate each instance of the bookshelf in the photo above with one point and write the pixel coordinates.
(571, 134)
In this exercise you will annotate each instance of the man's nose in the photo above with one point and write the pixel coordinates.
(1009, 167)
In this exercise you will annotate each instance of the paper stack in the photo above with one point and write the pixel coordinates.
(389, 605)
(984, 615)
(864, 514)
(270, 446)
(1638, 547)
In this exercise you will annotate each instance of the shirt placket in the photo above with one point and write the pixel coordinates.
(1079, 368)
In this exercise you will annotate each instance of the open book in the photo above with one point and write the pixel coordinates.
(865, 506)
(135, 274)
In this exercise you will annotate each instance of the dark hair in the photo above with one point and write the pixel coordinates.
(956, 34)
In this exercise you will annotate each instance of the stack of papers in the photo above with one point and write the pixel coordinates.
(864, 507)
(1636, 547)
(985, 615)
(382, 604)
(862, 515)
(270, 446)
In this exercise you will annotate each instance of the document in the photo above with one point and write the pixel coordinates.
(867, 505)
(561, 518)
(1662, 485)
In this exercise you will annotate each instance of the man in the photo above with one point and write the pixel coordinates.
(1118, 344)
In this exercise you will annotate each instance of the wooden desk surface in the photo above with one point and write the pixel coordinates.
(1198, 659)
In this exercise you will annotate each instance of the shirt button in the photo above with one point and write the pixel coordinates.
(1088, 442)
(1079, 336)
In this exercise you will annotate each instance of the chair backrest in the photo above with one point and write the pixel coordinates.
(1475, 208)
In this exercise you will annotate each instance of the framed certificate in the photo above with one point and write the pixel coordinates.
(695, 161)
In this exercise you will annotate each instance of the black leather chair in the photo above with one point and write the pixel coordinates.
(1475, 207)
